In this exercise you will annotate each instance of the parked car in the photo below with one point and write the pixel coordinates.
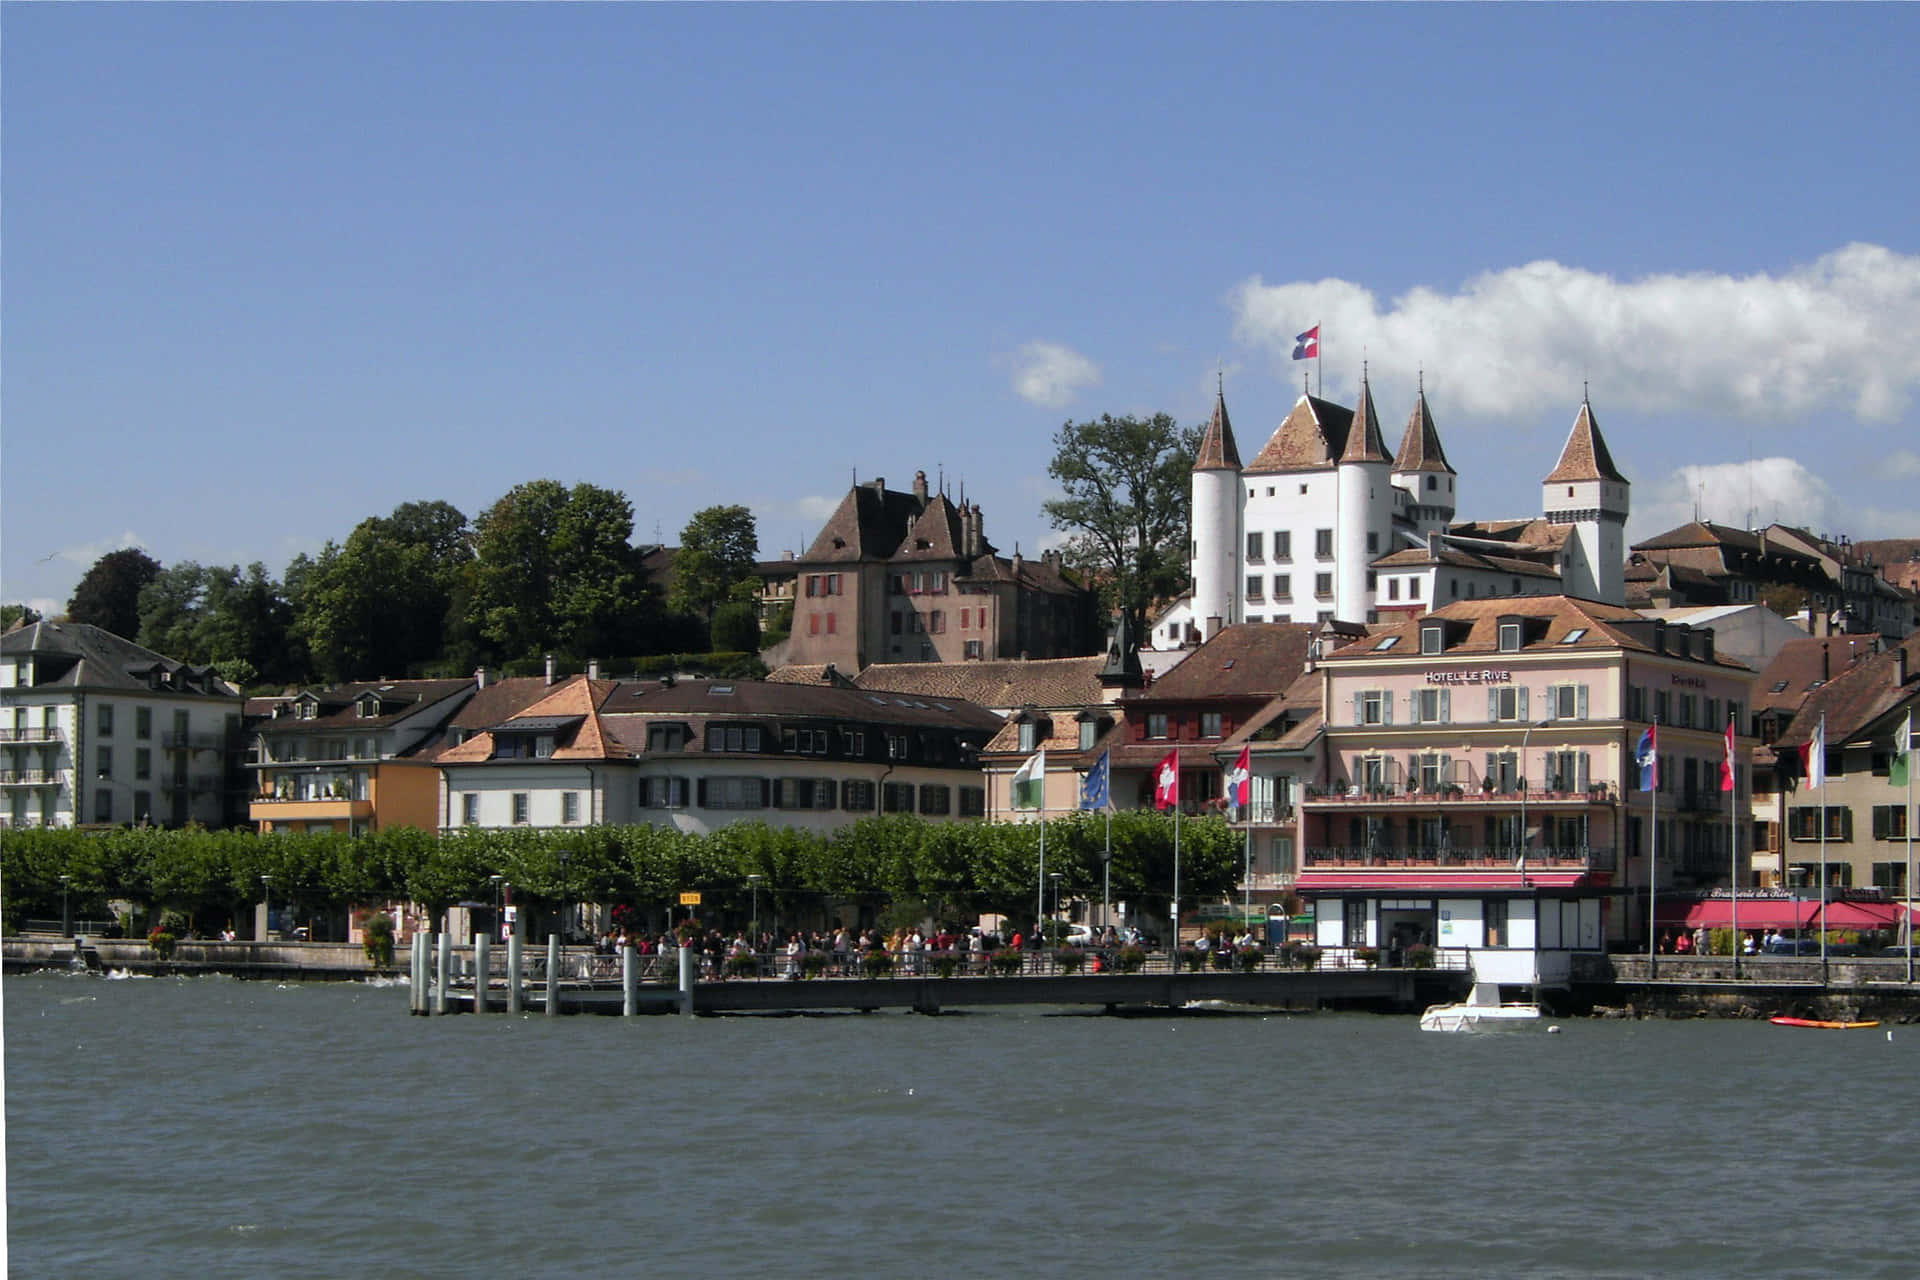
(1901, 951)
(1793, 947)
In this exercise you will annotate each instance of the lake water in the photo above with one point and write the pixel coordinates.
(214, 1126)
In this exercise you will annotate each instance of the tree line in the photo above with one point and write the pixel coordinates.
(213, 878)
(424, 591)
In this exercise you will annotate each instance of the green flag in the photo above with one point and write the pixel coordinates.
(1902, 752)
(1030, 781)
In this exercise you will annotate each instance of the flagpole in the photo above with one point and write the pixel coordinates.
(1653, 860)
(1910, 867)
(1106, 888)
(1173, 946)
(1823, 847)
(1039, 920)
(1733, 844)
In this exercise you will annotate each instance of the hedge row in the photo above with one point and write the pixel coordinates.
(981, 866)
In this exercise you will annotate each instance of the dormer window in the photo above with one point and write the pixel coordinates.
(1433, 640)
(1029, 735)
(367, 708)
(1509, 637)
(1089, 734)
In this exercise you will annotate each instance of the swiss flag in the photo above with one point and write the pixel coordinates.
(1166, 782)
(1307, 345)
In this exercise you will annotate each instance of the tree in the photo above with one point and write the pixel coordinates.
(17, 613)
(220, 615)
(109, 595)
(554, 569)
(1127, 506)
(169, 613)
(736, 628)
(379, 604)
(715, 562)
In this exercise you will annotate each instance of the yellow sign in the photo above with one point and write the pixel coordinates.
(689, 899)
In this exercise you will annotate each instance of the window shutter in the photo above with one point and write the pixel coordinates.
(1386, 707)
(1586, 783)
(1493, 703)
(1358, 707)
(1446, 770)
(1523, 702)
(1580, 698)
(1446, 706)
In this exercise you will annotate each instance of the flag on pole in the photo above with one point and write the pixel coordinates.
(1816, 757)
(1647, 756)
(1240, 782)
(1306, 346)
(1898, 772)
(1030, 781)
(1726, 765)
(1095, 787)
(1166, 782)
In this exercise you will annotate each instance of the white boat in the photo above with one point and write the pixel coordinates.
(1481, 1011)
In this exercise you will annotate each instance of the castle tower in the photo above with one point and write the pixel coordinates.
(1421, 468)
(1364, 530)
(1216, 523)
(1588, 492)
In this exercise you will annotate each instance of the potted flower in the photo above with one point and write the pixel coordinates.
(1131, 959)
(1249, 958)
(813, 964)
(161, 942)
(1069, 959)
(1368, 956)
(1303, 955)
(1189, 959)
(1420, 956)
(876, 964)
(1006, 961)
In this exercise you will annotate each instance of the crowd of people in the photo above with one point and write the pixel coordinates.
(839, 952)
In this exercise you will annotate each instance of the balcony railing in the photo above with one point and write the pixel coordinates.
(30, 735)
(1394, 794)
(28, 777)
(1570, 858)
(173, 740)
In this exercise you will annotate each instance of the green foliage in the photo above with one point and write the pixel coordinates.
(1126, 482)
(1249, 958)
(736, 626)
(779, 627)
(744, 965)
(554, 569)
(715, 564)
(162, 943)
(378, 943)
(1190, 958)
(876, 964)
(1007, 962)
(1131, 959)
(1368, 956)
(813, 964)
(108, 595)
(381, 602)
(1420, 956)
(23, 613)
(1069, 959)
(1300, 955)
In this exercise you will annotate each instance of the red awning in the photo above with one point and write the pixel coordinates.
(1413, 879)
(1754, 913)
(1861, 915)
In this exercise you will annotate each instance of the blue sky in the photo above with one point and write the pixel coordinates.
(270, 269)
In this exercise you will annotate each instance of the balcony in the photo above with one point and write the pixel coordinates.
(29, 777)
(173, 740)
(30, 735)
(317, 809)
(1469, 859)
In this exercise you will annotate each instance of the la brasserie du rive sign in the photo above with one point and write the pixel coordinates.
(1484, 675)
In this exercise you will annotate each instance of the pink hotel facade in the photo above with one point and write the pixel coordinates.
(1478, 788)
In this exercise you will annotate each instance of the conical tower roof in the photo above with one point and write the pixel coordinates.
(1217, 450)
(1585, 456)
(1364, 441)
(1420, 447)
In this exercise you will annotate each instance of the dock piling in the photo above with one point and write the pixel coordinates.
(686, 980)
(482, 956)
(553, 975)
(443, 969)
(629, 982)
(515, 997)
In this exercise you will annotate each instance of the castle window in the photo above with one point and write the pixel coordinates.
(1255, 588)
(1430, 483)
(1256, 549)
(1210, 724)
(1282, 544)
(1283, 586)
(1323, 584)
(1393, 588)
(1323, 543)
(1157, 724)
(1373, 541)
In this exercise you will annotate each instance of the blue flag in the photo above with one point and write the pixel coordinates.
(1647, 756)
(1093, 787)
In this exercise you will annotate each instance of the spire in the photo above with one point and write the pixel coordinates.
(1585, 456)
(1420, 447)
(1364, 442)
(1217, 450)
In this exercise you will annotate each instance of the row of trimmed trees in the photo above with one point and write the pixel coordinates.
(951, 870)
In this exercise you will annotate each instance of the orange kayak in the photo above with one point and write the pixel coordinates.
(1816, 1022)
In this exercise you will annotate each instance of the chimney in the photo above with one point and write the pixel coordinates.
(1899, 666)
(593, 668)
(879, 485)
(830, 675)
(1213, 625)
(479, 677)
(920, 487)
(549, 668)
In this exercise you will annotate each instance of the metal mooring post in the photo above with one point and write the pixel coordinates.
(629, 981)
(686, 979)
(443, 970)
(515, 998)
(482, 956)
(553, 975)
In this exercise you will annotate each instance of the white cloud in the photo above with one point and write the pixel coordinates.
(1901, 464)
(1050, 375)
(88, 552)
(1772, 489)
(1841, 335)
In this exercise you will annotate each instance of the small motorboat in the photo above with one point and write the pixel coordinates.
(1823, 1023)
(1481, 1011)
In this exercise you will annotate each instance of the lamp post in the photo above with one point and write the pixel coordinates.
(266, 907)
(1055, 877)
(753, 888)
(66, 917)
(564, 886)
(498, 881)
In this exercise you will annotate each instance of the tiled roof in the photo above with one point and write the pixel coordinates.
(1042, 575)
(869, 524)
(1415, 557)
(500, 700)
(1046, 682)
(1246, 660)
(1704, 533)
(707, 699)
(1802, 665)
(1585, 455)
(339, 704)
(934, 534)
(1420, 447)
(1217, 450)
(576, 700)
(1365, 444)
(1536, 531)
(1062, 740)
(1311, 437)
(1606, 626)
(1857, 696)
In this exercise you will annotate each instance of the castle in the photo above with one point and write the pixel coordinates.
(1325, 525)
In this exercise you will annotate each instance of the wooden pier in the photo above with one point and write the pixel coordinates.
(443, 980)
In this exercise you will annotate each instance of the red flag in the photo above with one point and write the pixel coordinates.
(1240, 781)
(1166, 781)
(1726, 766)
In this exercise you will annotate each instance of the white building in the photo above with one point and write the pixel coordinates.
(96, 729)
(1323, 524)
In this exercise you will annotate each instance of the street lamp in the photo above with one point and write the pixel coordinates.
(1055, 877)
(753, 888)
(266, 906)
(66, 917)
(498, 881)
